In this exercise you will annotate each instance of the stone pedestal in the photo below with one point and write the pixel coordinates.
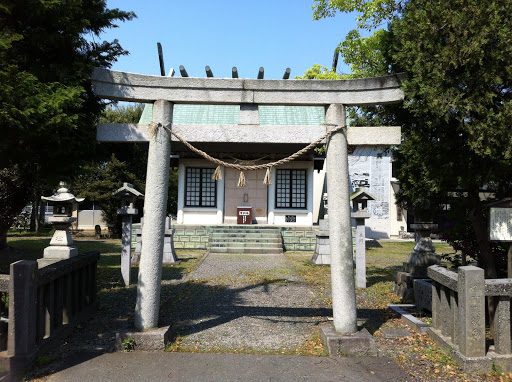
(420, 259)
(322, 255)
(361, 252)
(138, 245)
(126, 249)
(170, 256)
(61, 243)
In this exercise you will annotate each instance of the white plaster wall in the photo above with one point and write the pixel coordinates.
(88, 219)
(318, 191)
(195, 215)
(304, 216)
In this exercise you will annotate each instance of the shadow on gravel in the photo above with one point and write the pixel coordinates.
(200, 306)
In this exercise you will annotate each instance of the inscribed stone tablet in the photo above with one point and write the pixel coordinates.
(500, 224)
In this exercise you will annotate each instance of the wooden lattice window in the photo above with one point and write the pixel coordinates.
(291, 189)
(200, 188)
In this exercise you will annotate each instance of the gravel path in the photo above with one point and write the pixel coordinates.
(244, 303)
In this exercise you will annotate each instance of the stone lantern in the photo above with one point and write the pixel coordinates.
(61, 244)
(422, 256)
(127, 194)
(360, 199)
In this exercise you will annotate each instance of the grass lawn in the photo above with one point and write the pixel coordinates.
(109, 267)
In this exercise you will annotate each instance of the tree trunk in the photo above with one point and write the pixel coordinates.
(488, 263)
(33, 216)
(3, 240)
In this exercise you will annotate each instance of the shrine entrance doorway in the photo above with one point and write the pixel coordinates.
(253, 194)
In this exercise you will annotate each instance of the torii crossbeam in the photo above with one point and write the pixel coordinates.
(163, 92)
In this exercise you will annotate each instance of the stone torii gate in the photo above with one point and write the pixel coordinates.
(164, 92)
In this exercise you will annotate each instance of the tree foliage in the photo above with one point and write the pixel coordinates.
(47, 108)
(458, 56)
(97, 183)
(118, 163)
(370, 13)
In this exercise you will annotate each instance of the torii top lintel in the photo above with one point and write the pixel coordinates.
(122, 86)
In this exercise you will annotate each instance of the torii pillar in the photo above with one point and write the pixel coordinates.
(155, 205)
(340, 229)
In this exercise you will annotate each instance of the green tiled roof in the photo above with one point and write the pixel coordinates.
(147, 114)
(291, 115)
(206, 114)
(229, 114)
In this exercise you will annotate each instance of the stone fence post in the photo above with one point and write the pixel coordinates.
(21, 342)
(471, 289)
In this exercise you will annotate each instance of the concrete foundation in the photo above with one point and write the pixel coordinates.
(360, 343)
(322, 255)
(148, 340)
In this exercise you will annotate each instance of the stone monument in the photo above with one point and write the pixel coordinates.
(61, 243)
(169, 256)
(127, 194)
(322, 254)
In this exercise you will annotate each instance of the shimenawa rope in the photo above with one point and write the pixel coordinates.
(242, 168)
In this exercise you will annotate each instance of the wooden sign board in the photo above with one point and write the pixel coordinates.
(500, 224)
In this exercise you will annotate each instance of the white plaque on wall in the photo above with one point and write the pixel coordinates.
(500, 224)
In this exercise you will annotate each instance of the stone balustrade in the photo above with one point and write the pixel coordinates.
(458, 317)
(46, 304)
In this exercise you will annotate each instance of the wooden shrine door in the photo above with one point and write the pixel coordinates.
(254, 194)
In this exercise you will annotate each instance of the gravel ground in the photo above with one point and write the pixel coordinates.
(245, 303)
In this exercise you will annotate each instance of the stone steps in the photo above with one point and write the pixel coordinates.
(252, 239)
(238, 239)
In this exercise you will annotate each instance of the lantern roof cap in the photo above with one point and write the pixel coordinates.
(62, 195)
(361, 194)
(128, 189)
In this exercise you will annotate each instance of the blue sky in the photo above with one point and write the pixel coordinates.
(225, 33)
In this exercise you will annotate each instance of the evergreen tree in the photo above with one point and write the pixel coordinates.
(456, 125)
(47, 109)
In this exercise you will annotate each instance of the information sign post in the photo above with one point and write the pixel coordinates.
(500, 226)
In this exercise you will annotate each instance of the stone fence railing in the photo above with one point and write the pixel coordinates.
(46, 303)
(458, 317)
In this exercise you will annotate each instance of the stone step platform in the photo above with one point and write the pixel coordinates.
(240, 239)
(246, 250)
(246, 231)
(245, 239)
(244, 244)
(249, 236)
